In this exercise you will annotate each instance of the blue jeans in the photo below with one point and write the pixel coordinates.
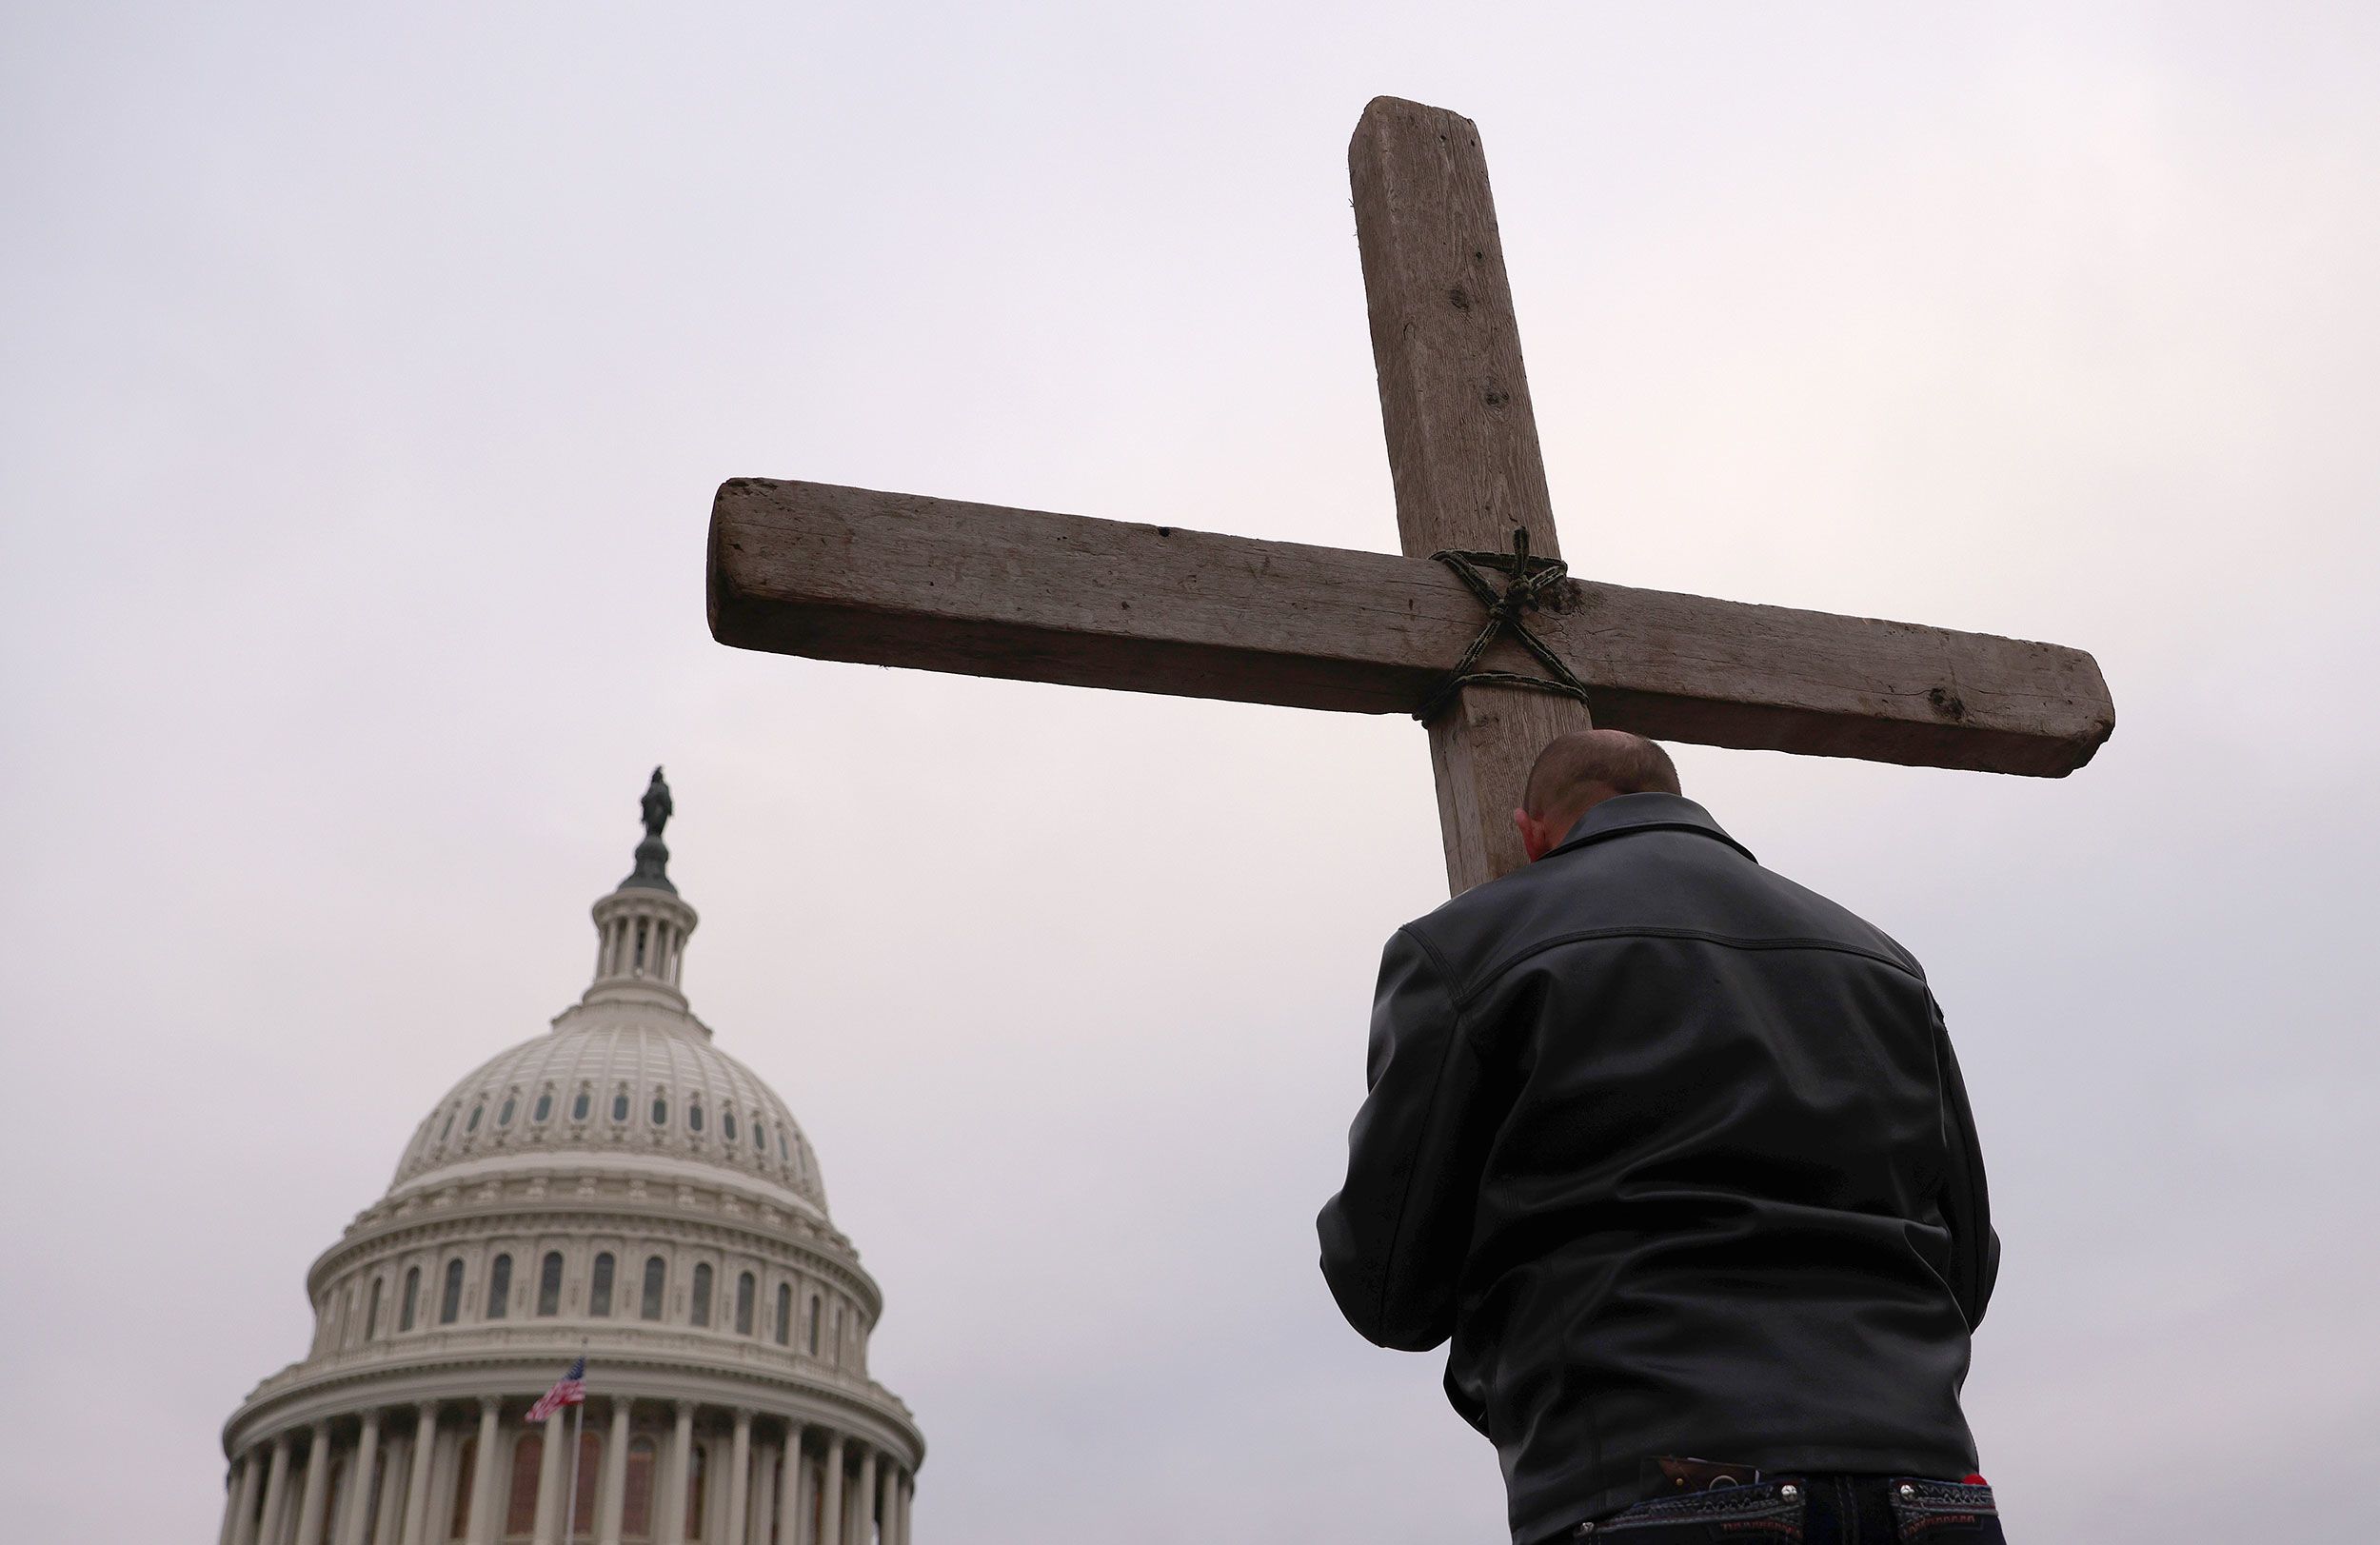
(1808, 1510)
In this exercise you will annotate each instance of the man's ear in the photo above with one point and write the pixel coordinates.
(1533, 840)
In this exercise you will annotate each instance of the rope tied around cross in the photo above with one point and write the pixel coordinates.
(1528, 581)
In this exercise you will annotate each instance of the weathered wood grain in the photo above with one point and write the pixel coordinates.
(839, 573)
(1462, 436)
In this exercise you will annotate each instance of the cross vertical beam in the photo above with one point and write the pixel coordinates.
(1463, 438)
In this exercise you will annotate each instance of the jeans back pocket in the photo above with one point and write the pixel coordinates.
(1945, 1513)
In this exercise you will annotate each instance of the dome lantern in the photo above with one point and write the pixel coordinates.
(640, 928)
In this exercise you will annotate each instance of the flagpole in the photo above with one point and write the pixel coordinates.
(578, 1429)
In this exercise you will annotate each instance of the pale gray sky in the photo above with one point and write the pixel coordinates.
(363, 378)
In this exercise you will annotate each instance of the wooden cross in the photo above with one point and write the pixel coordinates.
(888, 579)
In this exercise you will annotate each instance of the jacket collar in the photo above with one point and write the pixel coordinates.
(1644, 812)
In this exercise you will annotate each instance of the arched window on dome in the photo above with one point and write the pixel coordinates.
(466, 1473)
(447, 1131)
(411, 1300)
(620, 1104)
(782, 1153)
(699, 1310)
(694, 1116)
(529, 1452)
(450, 1301)
(661, 1108)
(579, 1106)
(544, 1107)
(760, 1133)
(599, 1287)
(504, 1113)
(743, 1304)
(636, 1501)
(814, 1325)
(656, 1277)
(472, 1125)
(372, 1314)
(499, 1286)
(836, 1354)
(727, 1125)
(549, 1285)
(785, 1314)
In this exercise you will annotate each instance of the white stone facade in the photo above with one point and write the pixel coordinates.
(619, 1189)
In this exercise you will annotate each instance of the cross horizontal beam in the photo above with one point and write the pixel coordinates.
(885, 579)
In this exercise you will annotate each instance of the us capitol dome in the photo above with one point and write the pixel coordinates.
(620, 1189)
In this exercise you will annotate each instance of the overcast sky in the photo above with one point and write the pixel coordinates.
(365, 376)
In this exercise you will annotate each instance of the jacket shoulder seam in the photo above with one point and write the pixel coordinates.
(1489, 978)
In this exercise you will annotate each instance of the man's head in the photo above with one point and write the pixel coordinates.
(1576, 772)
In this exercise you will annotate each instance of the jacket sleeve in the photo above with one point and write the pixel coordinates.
(1965, 1203)
(1395, 1237)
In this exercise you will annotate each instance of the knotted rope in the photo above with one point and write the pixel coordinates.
(1529, 580)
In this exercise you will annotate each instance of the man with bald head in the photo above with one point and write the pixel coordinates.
(1676, 1154)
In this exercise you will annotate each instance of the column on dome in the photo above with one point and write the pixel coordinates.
(681, 1475)
(310, 1517)
(614, 1500)
(830, 1521)
(551, 1476)
(230, 1501)
(908, 1494)
(488, 1471)
(395, 1450)
(864, 1498)
(358, 1505)
(240, 1527)
(764, 1493)
(340, 1485)
(417, 1479)
(792, 1504)
(276, 1493)
(888, 1500)
(738, 1479)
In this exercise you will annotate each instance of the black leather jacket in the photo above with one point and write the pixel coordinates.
(1676, 1153)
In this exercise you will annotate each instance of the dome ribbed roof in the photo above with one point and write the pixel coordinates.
(599, 1080)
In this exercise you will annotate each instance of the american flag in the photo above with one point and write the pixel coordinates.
(571, 1391)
